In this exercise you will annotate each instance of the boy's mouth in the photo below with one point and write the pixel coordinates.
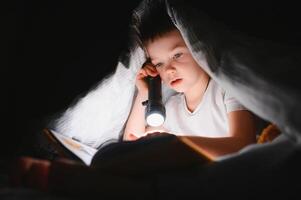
(175, 82)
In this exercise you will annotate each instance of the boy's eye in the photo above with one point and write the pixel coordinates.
(177, 55)
(158, 64)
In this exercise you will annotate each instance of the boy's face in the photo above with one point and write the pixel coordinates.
(174, 62)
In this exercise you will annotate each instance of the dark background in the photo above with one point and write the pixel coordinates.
(60, 49)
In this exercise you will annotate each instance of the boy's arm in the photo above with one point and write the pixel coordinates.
(242, 132)
(135, 125)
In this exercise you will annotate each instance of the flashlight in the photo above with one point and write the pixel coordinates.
(155, 110)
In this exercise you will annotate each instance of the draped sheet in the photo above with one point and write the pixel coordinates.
(262, 75)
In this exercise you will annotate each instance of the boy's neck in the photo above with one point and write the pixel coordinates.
(195, 95)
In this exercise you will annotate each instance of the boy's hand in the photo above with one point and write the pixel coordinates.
(155, 134)
(147, 70)
(132, 137)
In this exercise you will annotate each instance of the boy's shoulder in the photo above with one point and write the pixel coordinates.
(216, 88)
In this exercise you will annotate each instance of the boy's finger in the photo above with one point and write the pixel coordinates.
(132, 137)
(151, 72)
(147, 65)
(151, 67)
(142, 73)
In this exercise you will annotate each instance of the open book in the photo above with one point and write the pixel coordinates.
(67, 145)
(154, 153)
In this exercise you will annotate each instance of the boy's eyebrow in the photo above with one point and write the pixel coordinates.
(177, 45)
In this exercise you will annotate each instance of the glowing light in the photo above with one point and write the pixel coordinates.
(155, 119)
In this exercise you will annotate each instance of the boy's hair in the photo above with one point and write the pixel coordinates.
(152, 22)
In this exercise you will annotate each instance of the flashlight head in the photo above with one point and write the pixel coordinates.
(155, 114)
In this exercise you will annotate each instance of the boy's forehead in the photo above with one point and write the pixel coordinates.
(165, 43)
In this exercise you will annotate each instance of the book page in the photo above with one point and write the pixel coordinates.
(84, 152)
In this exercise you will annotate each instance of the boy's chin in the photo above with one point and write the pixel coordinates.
(177, 89)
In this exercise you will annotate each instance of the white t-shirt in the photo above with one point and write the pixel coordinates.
(209, 119)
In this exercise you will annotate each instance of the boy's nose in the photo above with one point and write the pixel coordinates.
(170, 68)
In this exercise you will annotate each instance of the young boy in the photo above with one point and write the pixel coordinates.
(201, 110)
